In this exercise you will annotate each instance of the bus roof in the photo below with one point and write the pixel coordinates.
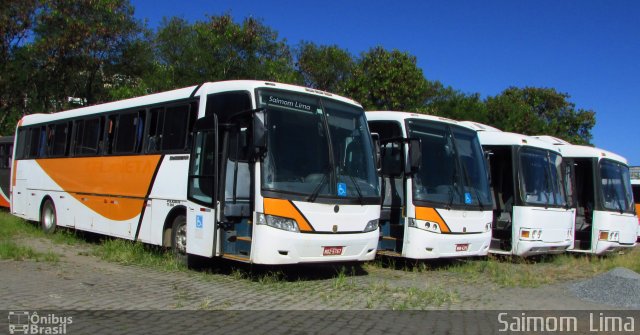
(489, 135)
(401, 116)
(178, 94)
(581, 151)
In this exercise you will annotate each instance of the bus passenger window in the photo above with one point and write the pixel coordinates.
(154, 137)
(87, 137)
(58, 146)
(174, 132)
(126, 133)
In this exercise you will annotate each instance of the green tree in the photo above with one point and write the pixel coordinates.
(457, 105)
(540, 111)
(16, 24)
(80, 50)
(220, 49)
(389, 80)
(327, 68)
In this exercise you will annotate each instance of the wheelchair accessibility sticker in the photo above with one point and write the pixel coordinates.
(467, 198)
(342, 189)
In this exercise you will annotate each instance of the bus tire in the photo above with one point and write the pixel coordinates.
(179, 238)
(48, 217)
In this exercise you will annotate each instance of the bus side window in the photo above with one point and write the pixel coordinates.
(110, 126)
(22, 143)
(174, 132)
(58, 140)
(88, 136)
(154, 134)
(139, 130)
(33, 142)
(125, 133)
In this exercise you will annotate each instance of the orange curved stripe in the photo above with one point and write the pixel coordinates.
(4, 202)
(86, 179)
(286, 209)
(430, 214)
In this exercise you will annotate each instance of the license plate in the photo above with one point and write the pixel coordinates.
(462, 247)
(332, 251)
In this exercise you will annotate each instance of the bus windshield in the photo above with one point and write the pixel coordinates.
(317, 148)
(615, 186)
(452, 172)
(542, 177)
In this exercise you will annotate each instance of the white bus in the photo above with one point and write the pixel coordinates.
(251, 171)
(600, 191)
(635, 186)
(531, 215)
(436, 196)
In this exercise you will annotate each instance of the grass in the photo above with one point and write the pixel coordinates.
(11, 230)
(501, 271)
(135, 253)
(517, 272)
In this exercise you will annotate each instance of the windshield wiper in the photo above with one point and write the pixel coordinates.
(312, 197)
(360, 198)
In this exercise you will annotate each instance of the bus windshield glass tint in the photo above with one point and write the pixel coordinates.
(317, 148)
(452, 171)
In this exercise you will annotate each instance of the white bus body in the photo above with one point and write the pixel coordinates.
(600, 191)
(530, 215)
(252, 171)
(635, 186)
(442, 208)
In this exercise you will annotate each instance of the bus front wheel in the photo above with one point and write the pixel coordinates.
(48, 219)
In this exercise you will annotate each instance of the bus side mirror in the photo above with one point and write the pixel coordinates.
(259, 133)
(375, 138)
(415, 156)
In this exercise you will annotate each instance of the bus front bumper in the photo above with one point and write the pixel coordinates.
(422, 244)
(275, 246)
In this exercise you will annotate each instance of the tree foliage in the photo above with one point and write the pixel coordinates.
(219, 49)
(324, 67)
(59, 54)
(389, 80)
(537, 111)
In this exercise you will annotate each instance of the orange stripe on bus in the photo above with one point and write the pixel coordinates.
(431, 214)
(4, 202)
(85, 178)
(286, 209)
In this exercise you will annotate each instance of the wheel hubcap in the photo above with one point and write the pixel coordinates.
(49, 217)
(181, 239)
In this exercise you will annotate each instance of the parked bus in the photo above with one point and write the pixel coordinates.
(251, 171)
(600, 191)
(6, 154)
(531, 215)
(635, 187)
(436, 196)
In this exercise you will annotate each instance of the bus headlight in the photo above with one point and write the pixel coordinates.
(278, 222)
(428, 225)
(371, 226)
(603, 235)
(530, 234)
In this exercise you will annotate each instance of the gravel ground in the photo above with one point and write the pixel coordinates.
(619, 287)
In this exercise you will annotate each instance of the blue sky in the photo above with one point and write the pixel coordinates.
(588, 49)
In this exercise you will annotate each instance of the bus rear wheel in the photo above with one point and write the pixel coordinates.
(48, 219)
(179, 238)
